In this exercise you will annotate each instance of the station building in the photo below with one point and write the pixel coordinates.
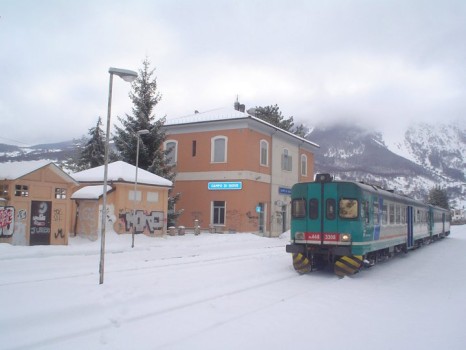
(35, 208)
(235, 171)
(132, 203)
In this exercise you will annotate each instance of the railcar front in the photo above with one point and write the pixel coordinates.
(326, 223)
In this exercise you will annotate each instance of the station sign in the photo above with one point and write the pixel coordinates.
(225, 186)
(284, 190)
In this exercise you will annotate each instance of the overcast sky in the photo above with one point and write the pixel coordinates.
(379, 62)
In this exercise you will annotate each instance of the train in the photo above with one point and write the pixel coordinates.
(349, 225)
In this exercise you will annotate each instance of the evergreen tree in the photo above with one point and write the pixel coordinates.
(273, 115)
(438, 197)
(93, 152)
(145, 97)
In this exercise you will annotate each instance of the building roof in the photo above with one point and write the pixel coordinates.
(121, 172)
(17, 170)
(227, 114)
(90, 192)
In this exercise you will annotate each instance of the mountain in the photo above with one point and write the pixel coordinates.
(427, 156)
(56, 152)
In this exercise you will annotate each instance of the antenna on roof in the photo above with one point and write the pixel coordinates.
(239, 107)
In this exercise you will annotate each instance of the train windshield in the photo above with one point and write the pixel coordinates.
(298, 208)
(348, 208)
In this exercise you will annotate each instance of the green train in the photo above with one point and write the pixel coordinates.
(349, 225)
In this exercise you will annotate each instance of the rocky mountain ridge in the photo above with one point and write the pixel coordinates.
(426, 156)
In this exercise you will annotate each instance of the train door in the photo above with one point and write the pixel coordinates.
(410, 218)
(328, 220)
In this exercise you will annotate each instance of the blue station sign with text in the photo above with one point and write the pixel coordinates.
(222, 186)
(284, 190)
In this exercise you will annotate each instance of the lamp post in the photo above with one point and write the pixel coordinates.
(128, 76)
(138, 134)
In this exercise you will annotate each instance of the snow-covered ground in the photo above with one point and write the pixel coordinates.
(231, 291)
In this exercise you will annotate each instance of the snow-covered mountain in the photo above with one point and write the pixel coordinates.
(425, 156)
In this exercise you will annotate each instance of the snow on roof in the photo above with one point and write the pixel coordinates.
(212, 115)
(228, 114)
(16, 170)
(90, 192)
(121, 172)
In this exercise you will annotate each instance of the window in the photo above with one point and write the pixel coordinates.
(4, 190)
(330, 209)
(376, 213)
(218, 212)
(398, 214)
(21, 191)
(194, 148)
(313, 208)
(131, 196)
(60, 193)
(365, 211)
(298, 208)
(303, 165)
(392, 213)
(219, 149)
(264, 155)
(153, 197)
(384, 214)
(287, 161)
(348, 208)
(171, 152)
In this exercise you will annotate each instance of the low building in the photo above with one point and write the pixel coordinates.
(150, 206)
(235, 171)
(35, 208)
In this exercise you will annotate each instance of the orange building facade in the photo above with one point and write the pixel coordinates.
(235, 171)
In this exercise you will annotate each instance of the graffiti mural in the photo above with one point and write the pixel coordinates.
(152, 221)
(7, 221)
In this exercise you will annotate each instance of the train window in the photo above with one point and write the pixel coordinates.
(398, 214)
(330, 209)
(298, 208)
(313, 208)
(348, 208)
(365, 211)
(391, 213)
(376, 213)
(403, 214)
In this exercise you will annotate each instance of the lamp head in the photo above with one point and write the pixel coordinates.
(125, 74)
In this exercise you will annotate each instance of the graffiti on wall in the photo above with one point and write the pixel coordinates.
(152, 221)
(7, 221)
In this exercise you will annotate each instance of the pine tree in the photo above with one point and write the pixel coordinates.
(93, 152)
(145, 97)
(438, 197)
(273, 115)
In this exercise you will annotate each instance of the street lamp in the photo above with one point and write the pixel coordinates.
(128, 76)
(138, 134)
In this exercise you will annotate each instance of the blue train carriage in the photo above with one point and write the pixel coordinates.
(351, 224)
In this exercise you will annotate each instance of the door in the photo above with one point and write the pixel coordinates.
(261, 213)
(410, 217)
(40, 228)
(328, 219)
(284, 219)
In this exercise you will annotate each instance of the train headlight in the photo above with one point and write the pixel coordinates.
(299, 236)
(345, 237)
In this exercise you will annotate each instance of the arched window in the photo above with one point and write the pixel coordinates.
(264, 153)
(303, 165)
(171, 147)
(219, 146)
